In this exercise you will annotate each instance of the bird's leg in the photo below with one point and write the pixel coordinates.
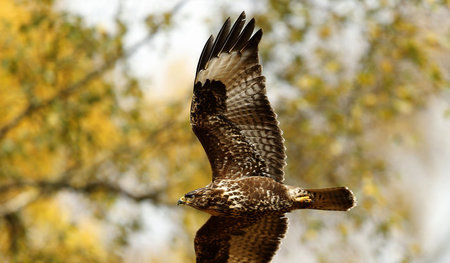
(303, 199)
(299, 195)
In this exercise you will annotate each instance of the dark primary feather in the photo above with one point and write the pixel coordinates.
(220, 40)
(230, 112)
(230, 37)
(204, 57)
(245, 35)
(239, 239)
(234, 33)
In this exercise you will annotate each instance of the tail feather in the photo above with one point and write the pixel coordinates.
(337, 198)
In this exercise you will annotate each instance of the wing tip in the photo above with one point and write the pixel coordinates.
(254, 41)
(205, 53)
(229, 40)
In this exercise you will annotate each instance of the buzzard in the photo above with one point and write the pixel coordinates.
(238, 129)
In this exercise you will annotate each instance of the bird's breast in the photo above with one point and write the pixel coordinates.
(253, 195)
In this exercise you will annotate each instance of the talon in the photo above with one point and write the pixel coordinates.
(305, 199)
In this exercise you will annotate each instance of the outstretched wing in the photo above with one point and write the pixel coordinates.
(239, 239)
(230, 112)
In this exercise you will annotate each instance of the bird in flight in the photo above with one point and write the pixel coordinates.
(238, 129)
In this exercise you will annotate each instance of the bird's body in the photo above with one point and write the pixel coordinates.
(245, 196)
(253, 196)
(237, 127)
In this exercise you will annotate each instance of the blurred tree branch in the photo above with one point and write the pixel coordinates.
(64, 182)
(45, 187)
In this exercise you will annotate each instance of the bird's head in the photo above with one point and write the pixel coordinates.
(193, 198)
(186, 199)
(203, 199)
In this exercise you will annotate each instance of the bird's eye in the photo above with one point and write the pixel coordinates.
(189, 196)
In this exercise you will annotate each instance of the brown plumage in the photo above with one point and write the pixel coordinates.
(233, 119)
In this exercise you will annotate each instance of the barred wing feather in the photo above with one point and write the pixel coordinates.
(230, 112)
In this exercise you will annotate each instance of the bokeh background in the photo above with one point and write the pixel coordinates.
(96, 146)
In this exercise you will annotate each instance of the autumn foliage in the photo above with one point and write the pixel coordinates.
(79, 133)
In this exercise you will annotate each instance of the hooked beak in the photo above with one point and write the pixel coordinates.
(181, 201)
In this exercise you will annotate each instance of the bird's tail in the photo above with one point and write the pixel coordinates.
(337, 198)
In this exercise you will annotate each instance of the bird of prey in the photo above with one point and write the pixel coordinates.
(238, 129)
